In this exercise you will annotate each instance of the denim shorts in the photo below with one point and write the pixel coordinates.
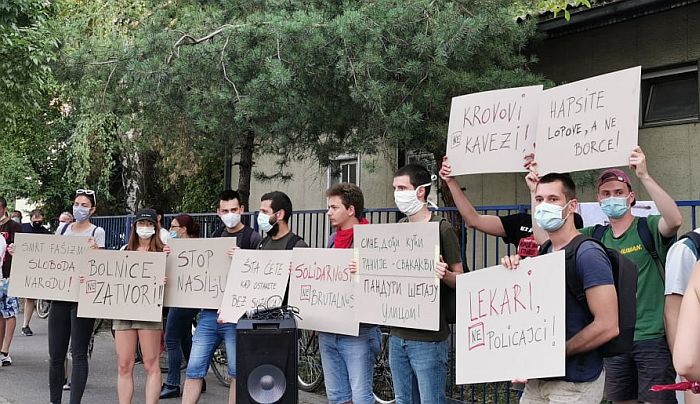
(9, 306)
(207, 337)
(630, 376)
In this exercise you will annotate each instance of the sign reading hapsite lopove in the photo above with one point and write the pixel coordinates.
(47, 267)
(396, 273)
(511, 322)
(492, 131)
(123, 285)
(197, 270)
(322, 287)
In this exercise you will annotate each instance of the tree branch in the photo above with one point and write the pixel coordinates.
(223, 67)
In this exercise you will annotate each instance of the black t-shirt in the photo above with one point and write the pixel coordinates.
(518, 229)
(8, 230)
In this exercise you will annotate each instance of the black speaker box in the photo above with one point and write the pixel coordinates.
(266, 361)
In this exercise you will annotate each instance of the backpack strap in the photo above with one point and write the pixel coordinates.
(331, 240)
(292, 241)
(649, 245)
(694, 238)
(64, 228)
(245, 237)
(94, 229)
(599, 231)
(573, 282)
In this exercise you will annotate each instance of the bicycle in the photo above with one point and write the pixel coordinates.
(309, 370)
(219, 365)
(42, 308)
(382, 386)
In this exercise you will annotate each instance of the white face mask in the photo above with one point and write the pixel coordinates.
(231, 220)
(145, 232)
(408, 202)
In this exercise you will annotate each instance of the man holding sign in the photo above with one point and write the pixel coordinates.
(590, 322)
(418, 358)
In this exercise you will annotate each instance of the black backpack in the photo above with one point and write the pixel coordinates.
(647, 241)
(625, 278)
(695, 239)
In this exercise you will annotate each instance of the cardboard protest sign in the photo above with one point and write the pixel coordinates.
(122, 285)
(321, 286)
(397, 285)
(588, 124)
(47, 267)
(257, 280)
(197, 270)
(491, 131)
(512, 322)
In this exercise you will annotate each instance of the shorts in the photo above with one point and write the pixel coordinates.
(207, 337)
(122, 325)
(631, 375)
(559, 391)
(9, 306)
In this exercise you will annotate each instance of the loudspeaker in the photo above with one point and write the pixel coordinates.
(266, 361)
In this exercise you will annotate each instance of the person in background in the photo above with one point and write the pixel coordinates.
(65, 217)
(16, 216)
(9, 305)
(35, 226)
(686, 347)
(144, 236)
(164, 233)
(178, 325)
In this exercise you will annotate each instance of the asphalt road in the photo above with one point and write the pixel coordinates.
(27, 380)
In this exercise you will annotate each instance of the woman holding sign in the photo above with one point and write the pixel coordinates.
(64, 324)
(178, 326)
(144, 236)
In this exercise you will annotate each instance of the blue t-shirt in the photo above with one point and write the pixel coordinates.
(594, 269)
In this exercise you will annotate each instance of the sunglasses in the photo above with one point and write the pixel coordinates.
(87, 192)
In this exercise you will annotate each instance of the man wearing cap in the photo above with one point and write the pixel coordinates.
(631, 375)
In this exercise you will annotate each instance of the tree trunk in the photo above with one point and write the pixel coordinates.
(246, 168)
(132, 172)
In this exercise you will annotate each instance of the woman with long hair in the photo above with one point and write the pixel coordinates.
(178, 332)
(144, 236)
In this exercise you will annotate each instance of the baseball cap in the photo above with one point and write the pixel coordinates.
(146, 214)
(613, 174)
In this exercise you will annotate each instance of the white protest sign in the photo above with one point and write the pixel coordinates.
(122, 285)
(512, 323)
(46, 266)
(588, 124)
(321, 286)
(491, 131)
(257, 280)
(197, 270)
(396, 274)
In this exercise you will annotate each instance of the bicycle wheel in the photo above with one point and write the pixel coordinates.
(382, 386)
(42, 308)
(219, 365)
(309, 371)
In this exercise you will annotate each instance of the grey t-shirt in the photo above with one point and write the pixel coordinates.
(99, 233)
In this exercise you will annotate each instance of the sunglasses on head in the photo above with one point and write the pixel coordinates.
(86, 192)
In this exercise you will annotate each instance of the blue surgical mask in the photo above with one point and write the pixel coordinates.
(614, 207)
(264, 222)
(548, 216)
(173, 234)
(81, 213)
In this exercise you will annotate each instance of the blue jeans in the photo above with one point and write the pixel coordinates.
(207, 337)
(178, 340)
(348, 365)
(418, 370)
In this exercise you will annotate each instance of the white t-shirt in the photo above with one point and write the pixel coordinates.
(3, 248)
(680, 261)
(99, 233)
(164, 235)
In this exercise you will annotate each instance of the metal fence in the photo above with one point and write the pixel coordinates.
(478, 250)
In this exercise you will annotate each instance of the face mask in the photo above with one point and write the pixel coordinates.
(264, 222)
(173, 234)
(80, 213)
(408, 202)
(36, 225)
(231, 220)
(145, 232)
(16, 219)
(548, 216)
(614, 207)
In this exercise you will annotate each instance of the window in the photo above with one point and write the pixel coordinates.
(345, 168)
(670, 96)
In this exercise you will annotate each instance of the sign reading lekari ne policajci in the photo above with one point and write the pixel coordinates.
(396, 274)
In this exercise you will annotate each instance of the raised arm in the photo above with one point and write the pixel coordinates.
(671, 218)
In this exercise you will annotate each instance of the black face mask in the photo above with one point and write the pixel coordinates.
(37, 225)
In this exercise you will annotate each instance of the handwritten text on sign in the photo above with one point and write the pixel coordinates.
(397, 282)
(197, 270)
(47, 267)
(589, 124)
(511, 322)
(258, 279)
(491, 132)
(123, 285)
(321, 286)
